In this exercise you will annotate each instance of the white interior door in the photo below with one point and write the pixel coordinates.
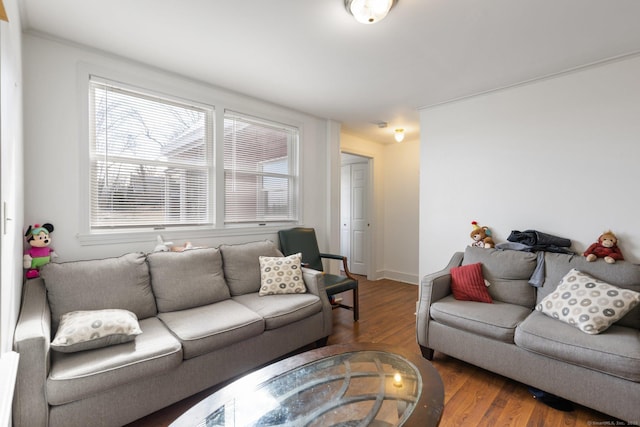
(11, 187)
(345, 213)
(359, 217)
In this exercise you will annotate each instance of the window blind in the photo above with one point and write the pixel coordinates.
(260, 170)
(151, 160)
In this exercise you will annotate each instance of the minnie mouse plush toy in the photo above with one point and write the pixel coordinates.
(39, 253)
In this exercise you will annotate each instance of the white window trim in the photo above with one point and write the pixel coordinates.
(208, 110)
(136, 81)
(294, 170)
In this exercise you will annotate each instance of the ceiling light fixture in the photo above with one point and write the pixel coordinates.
(399, 135)
(369, 11)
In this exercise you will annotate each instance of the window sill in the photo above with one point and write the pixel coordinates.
(168, 235)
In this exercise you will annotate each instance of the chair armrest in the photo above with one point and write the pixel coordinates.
(332, 256)
(314, 281)
(433, 287)
(32, 340)
(345, 267)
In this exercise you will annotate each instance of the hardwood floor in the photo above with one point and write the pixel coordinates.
(473, 396)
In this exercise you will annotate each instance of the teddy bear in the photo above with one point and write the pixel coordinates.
(39, 253)
(606, 247)
(481, 236)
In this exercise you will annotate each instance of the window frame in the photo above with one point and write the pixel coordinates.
(208, 167)
(194, 93)
(293, 172)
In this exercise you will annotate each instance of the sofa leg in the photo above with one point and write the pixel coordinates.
(322, 342)
(427, 352)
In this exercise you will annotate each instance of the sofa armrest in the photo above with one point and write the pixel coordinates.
(314, 281)
(32, 340)
(433, 287)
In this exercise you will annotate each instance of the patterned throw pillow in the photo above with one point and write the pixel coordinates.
(281, 275)
(588, 303)
(468, 284)
(84, 330)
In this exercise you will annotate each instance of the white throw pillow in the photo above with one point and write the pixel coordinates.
(281, 275)
(588, 303)
(84, 330)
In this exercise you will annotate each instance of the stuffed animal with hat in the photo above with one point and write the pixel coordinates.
(39, 253)
(481, 236)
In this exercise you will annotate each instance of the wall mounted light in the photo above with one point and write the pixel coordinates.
(369, 11)
(399, 135)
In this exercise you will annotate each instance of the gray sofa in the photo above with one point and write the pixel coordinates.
(202, 321)
(514, 339)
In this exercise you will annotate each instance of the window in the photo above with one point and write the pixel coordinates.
(260, 170)
(151, 160)
(152, 165)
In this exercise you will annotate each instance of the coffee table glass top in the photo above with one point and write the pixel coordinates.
(360, 388)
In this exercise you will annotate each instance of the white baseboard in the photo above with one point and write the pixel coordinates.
(8, 373)
(411, 279)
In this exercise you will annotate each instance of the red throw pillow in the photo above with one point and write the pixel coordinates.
(467, 283)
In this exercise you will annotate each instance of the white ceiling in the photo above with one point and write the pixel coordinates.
(312, 56)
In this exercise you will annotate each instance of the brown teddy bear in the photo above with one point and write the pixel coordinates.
(606, 247)
(481, 236)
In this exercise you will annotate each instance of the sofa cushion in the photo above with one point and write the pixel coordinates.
(210, 327)
(280, 310)
(281, 275)
(75, 376)
(623, 274)
(85, 330)
(121, 282)
(498, 320)
(468, 284)
(508, 272)
(188, 279)
(615, 352)
(242, 266)
(587, 303)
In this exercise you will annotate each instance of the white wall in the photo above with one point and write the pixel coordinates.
(11, 139)
(559, 155)
(401, 189)
(394, 245)
(53, 141)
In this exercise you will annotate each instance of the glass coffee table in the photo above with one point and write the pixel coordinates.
(341, 386)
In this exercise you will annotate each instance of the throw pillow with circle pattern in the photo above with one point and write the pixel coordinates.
(85, 330)
(281, 275)
(587, 303)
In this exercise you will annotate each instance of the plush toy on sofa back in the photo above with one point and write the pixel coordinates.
(606, 247)
(39, 254)
(481, 236)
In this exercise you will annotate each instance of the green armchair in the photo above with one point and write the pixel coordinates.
(304, 240)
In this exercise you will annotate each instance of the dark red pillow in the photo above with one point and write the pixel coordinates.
(467, 283)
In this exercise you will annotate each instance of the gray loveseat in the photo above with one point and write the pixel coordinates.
(202, 320)
(510, 337)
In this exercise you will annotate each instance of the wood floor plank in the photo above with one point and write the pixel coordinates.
(473, 396)
(472, 401)
(456, 377)
(519, 408)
